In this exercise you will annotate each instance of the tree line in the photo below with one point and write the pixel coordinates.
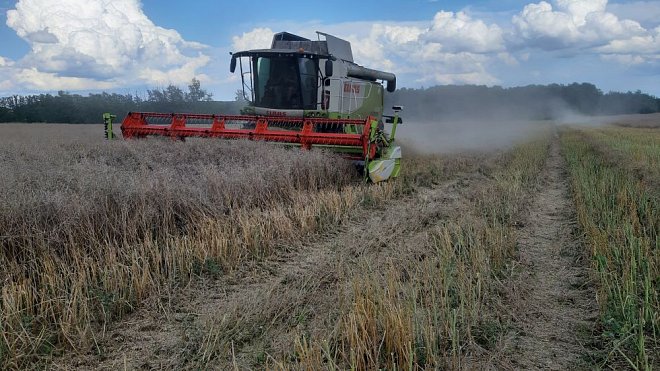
(537, 102)
(449, 102)
(64, 107)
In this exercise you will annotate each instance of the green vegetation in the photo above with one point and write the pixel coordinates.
(65, 107)
(614, 176)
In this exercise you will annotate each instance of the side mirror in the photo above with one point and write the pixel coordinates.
(232, 65)
(328, 68)
(390, 120)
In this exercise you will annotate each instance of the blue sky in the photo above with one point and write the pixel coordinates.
(131, 45)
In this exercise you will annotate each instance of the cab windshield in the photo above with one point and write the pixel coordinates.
(285, 82)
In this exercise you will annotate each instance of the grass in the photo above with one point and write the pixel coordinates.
(614, 176)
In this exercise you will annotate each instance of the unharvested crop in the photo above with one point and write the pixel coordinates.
(615, 182)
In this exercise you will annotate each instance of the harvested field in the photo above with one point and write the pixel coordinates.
(217, 255)
(337, 292)
(90, 228)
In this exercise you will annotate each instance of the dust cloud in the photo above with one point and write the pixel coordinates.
(449, 136)
(478, 118)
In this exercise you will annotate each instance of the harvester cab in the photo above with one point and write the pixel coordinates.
(300, 92)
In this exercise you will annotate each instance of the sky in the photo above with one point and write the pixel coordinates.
(129, 46)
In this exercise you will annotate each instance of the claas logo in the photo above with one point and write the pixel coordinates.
(351, 88)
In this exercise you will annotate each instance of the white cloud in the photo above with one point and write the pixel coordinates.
(37, 80)
(571, 24)
(472, 78)
(375, 49)
(400, 35)
(181, 74)
(576, 27)
(454, 68)
(580, 9)
(645, 12)
(647, 44)
(259, 38)
(460, 33)
(509, 59)
(417, 49)
(625, 59)
(96, 44)
(6, 85)
(5, 62)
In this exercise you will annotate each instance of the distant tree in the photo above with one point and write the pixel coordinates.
(196, 93)
(174, 94)
(6, 115)
(156, 95)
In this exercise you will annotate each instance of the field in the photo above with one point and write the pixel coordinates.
(539, 252)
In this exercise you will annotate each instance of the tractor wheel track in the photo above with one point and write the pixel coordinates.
(552, 298)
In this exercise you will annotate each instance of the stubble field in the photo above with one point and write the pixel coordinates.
(211, 254)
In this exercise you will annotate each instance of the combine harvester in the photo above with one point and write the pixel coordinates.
(301, 92)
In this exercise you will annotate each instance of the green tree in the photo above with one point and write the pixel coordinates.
(174, 94)
(196, 93)
(156, 95)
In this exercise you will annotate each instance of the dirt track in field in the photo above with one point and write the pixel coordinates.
(552, 300)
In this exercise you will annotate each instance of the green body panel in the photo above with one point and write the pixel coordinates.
(371, 106)
(387, 166)
(107, 125)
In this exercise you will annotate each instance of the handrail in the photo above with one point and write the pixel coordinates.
(353, 97)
